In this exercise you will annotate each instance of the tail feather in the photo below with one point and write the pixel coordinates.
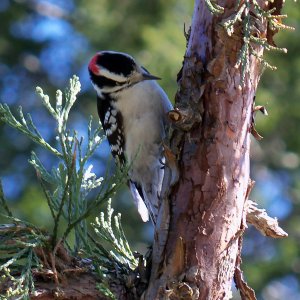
(139, 202)
(147, 197)
(152, 203)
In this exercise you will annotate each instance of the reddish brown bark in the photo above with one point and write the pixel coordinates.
(207, 204)
(79, 287)
(207, 207)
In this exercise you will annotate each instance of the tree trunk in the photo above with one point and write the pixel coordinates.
(197, 241)
(207, 204)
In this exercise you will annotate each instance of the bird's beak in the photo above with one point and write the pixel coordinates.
(147, 76)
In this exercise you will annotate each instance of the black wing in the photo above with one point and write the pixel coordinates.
(112, 123)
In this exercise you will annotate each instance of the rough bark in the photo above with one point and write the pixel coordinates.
(207, 205)
(197, 242)
(79, 287)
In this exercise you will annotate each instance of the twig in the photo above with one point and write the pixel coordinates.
(246, 292)
(259, 218)
(63, 200)
(3, 201)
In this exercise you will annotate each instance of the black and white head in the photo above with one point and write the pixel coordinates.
(111, 72)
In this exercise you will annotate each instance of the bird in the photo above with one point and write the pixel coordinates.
(133, 108)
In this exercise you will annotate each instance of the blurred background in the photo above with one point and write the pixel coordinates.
(44, 42)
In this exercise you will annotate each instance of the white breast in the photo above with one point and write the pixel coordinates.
(143, 107)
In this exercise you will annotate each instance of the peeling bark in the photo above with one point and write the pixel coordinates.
(247, 293)
(208, 202)
(259, 218)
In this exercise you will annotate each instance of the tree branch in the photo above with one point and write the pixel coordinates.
(259, 218)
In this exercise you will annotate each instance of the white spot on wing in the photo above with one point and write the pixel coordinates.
(115, 148)
(107, 115)
(111, 130)
(113, 127)
(112, 119)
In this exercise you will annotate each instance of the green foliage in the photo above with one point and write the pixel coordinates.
(4, 202)
(214, 7)
(249, 13)
(25, 126)
(103, 288)
(18, 259)
(114, 235)
(66, 189)
(118, 262)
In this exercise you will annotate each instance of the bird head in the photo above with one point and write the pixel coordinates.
(111, 72)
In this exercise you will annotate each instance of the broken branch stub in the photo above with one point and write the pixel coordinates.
(259, 218)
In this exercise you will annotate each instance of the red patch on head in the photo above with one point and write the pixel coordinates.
(93, 67)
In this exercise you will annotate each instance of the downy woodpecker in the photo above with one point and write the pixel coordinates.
(132, 108)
